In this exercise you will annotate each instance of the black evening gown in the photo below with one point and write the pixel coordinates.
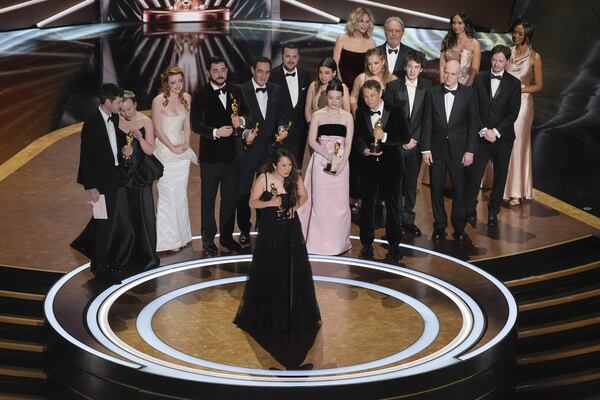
(279, 298)
(131, 238)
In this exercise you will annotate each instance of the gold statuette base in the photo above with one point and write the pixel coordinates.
(210, 15)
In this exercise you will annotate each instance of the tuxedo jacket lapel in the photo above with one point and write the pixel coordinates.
(439, 103)
(503, 83)
(385, 117)
(419, 97)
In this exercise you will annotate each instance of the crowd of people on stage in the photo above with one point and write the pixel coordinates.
(370, 120)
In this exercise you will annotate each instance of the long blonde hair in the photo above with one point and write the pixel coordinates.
(355, 16)
(386, 76)
(164, 85)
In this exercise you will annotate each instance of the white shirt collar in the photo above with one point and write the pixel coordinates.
(388, 47)
(105, 116)
(294, 71)
(256, 85)
(451, 88)
(215, 87)
(380, 108)
(497, 74)
(409, 83)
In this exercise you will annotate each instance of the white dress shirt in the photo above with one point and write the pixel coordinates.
(262, 98)
(222, 95)
(391, 57)
(411, 89)
(449, 101)
(292, 83)
(494, 84)
(112, 135)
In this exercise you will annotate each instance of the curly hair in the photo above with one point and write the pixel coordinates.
(355, 16)
(451, 38)
(377, 52)
(164, 85)
(290, 183)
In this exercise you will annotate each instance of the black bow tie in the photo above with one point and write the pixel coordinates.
(220, 90)
(261, 89)
(292, 74)
(499, 77)
(371, 112)
(110, 119)
(452, 92)
(390, 51)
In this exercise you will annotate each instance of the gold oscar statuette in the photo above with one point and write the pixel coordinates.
(376, 145)
(286, 128)
(275, 193)
(235, 107)
(128, 142)
(336, 150)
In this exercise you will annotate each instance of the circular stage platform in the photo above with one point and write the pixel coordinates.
(431, 327)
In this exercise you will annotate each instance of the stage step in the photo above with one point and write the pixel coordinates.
(21, 303)
(572, 385)
(13, 396)
(28, 381)
(27, 280)
(22, 354)
(22, 328)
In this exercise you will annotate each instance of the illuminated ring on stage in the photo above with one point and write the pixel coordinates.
(97, 319)
(430, 330)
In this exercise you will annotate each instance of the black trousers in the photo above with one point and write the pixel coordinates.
(376, 177)
(408, 198)
(213, 176)
(499, 153)
(244, 213)
(442, 163)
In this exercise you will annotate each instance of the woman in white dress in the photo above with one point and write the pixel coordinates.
(171, 120)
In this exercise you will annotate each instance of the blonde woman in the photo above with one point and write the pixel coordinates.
(171, 121)
(351, 46)
(375, 69)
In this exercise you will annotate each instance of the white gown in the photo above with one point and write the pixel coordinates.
(172, 215)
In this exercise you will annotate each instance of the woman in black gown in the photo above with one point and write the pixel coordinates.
(279, 298)
(131, 240)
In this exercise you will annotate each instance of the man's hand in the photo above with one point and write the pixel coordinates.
(410, 145)
(467, 159)
(490, 135)
(225, 131)
(250, 135)
(427, 158)
(94, 195)
(367, 152)
(236, 121)
(282, 133)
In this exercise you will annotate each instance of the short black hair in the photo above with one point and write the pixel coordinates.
(416, 56)
(261, 59)
(215, 60)
(371, 84)
(109, 91)
(500, 48)
(290, 45)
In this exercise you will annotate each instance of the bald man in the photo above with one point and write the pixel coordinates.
(448, 142)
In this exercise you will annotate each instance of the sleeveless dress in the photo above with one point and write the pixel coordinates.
(279, 297)
(352, 63)
(519, 180)
(172, 215)
(464, 57)
(325, 216)
(131, 240)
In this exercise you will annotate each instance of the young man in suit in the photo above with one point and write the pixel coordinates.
(395, 52)
(294, 82)
(448, 142)
(499, 100)
(264, 100)
(408, 93)
(213, 119)
(100, 153)
(380, 167)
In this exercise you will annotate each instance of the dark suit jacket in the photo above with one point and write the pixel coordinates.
(402, 52)
(96, 162)
(500, 111)
(291, 113)
(395, 125)
(207, 113)
(461, 130)
(258, 154)
(396, 95)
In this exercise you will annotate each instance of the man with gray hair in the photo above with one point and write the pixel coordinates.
(393, 49)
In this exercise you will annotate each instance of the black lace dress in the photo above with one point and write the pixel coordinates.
(131, 239)
(279, 298)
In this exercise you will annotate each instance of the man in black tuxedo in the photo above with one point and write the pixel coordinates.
(499, 99)
(448, 142)
(408, 93)
(294, 81)
(395, 52)
(264, 100)
(220, 149)
(376, 121)
(99, 158)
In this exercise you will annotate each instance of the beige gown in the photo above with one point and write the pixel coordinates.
(519, 180)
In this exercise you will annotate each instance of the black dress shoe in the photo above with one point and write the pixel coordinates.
(366, 251)
(472, 220)
(244, 238)
(461, 236)
(230, 245)
(492, 221)
(438, 234)
(210, 248)
(394, 252)
(412, 228)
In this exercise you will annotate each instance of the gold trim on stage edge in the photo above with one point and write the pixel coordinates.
(209, 15)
